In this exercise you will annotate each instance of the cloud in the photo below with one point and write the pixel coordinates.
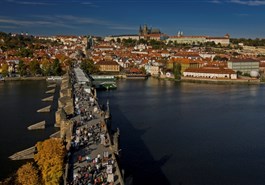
(243, 15)
(80, 20)
(8, 27)
(132, 28)
(61, 21)
(215, 2)
(86, 20)
(249, 3)
(86, 3)
(35, 23)
(28, 2)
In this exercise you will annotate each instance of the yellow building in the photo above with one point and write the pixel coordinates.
(185, 63)
(108, 66)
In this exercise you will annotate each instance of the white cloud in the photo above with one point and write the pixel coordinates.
(132, 28)
(249, 3)
(63, 21)
(215, 2)
(36, 23)
(243, 15)
(86, 3)
(28, 2)
(8, 27)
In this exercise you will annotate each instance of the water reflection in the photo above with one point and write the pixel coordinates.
(191, 133)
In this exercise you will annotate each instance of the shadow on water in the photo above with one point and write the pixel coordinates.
(20, 101)
(135, 158)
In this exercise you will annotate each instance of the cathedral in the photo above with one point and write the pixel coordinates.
(146, 31)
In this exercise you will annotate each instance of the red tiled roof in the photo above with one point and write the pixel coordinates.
(243, 60)
(135, 70)
(107, 62)
(211, 70)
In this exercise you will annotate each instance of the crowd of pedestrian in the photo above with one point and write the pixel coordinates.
(93, 163)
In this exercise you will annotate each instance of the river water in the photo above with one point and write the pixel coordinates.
(188, 133)
(171, 133)
(20, 101)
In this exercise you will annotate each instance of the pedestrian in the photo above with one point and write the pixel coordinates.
(79, 158)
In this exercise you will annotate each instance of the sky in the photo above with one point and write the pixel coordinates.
(239, 18)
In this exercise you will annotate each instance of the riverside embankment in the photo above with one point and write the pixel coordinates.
(221, 81)
(24, 78)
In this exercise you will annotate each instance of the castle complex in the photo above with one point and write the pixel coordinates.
(146, 31)
(156, 34)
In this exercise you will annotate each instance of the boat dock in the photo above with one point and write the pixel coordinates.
(105, 82)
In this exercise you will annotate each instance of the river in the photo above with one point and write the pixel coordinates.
(20, 101)
(189, 133)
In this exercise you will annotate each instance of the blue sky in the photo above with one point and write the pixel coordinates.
(239, 18)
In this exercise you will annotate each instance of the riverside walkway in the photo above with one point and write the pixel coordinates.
(92, 158)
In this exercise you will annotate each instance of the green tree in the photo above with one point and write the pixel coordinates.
(118, 40)
(56, 68)
(89, 67)
(50, 159)
(22, 68)
(28, 175)
(177, 70)
(24, 52)
(34, 68)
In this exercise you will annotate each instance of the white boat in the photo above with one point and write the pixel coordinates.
(54, 78)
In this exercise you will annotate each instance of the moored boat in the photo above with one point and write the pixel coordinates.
(53, 78)
(136, 76)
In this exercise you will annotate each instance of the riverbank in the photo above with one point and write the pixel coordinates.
(214, 81)
(25, 78)
(220, 81)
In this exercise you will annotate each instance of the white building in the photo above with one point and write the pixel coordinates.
(180, 39)
(121, 37)
(212, 73)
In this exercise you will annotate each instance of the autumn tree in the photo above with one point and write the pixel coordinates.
(4, 70)
(46, 67)
(89, 67)
(28, 175)
(34, 68)
(50, 159)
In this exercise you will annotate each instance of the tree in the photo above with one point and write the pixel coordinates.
(46, 67)
(118, 40)
(89, 67)
(34, 68)
(24, 52)
(22, 68)
(4, 70)
(28, 175)
(50, 159)
(177, 70)
(56, 68)
(143, 70)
